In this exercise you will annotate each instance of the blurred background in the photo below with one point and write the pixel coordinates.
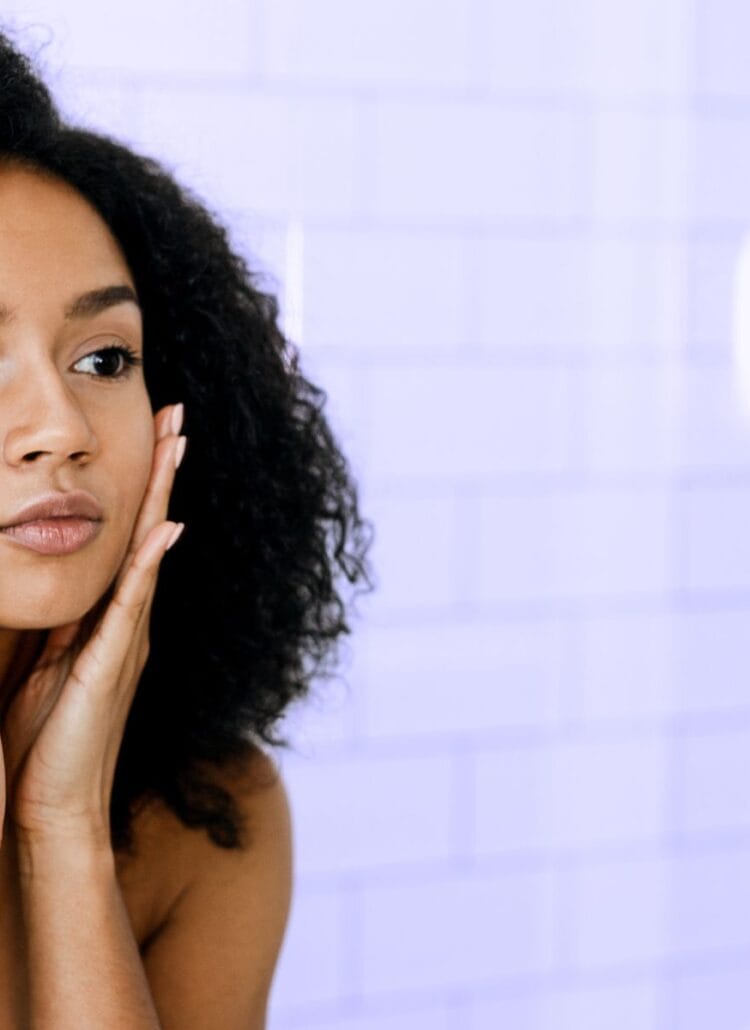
(510, 241)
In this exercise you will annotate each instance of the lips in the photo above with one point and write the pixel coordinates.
(53, 536)
(75, 504)
(56, 523)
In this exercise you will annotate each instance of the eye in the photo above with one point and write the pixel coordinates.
(115, 362)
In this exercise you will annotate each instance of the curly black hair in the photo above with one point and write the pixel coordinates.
(247, 609)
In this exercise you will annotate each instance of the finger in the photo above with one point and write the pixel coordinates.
(163, 421)
(101, 661)
(154, 507)
(168, 424)
(156, 499)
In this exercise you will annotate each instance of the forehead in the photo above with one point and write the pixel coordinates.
(53, 244)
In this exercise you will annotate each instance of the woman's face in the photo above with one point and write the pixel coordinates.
(69, 420)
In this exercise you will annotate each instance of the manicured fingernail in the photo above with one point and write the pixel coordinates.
(179, 452)
(176, 535)
(178, 415)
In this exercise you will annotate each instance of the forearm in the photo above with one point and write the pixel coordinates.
(13, 966)
(84, 969)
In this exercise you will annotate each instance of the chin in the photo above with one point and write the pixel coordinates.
(31, 611)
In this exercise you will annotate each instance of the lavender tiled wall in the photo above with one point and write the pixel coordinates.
(506, 237)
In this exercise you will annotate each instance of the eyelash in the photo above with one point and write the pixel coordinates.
(129, 356)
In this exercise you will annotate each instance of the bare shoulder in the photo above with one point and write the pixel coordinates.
(212, 958)
(176, 854)
(259, 792)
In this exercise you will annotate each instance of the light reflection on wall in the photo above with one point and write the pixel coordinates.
(741, 330)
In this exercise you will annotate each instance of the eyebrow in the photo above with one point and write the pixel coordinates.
(88, 304)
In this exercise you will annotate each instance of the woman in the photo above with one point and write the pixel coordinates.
(145, 865)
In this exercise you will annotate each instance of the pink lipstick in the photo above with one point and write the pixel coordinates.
(54, 536)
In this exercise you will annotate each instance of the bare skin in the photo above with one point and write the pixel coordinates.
(66, 424)
(62, 427)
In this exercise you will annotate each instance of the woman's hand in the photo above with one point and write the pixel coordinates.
(62, 732)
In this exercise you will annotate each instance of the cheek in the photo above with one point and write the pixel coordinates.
(134, 459)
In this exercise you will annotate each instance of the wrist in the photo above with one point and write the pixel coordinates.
(49, 856)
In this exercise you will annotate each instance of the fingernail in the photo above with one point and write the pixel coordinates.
(176, 535)
(179, 452)
(178, 416)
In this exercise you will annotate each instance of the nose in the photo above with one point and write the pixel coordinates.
(42, 420)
